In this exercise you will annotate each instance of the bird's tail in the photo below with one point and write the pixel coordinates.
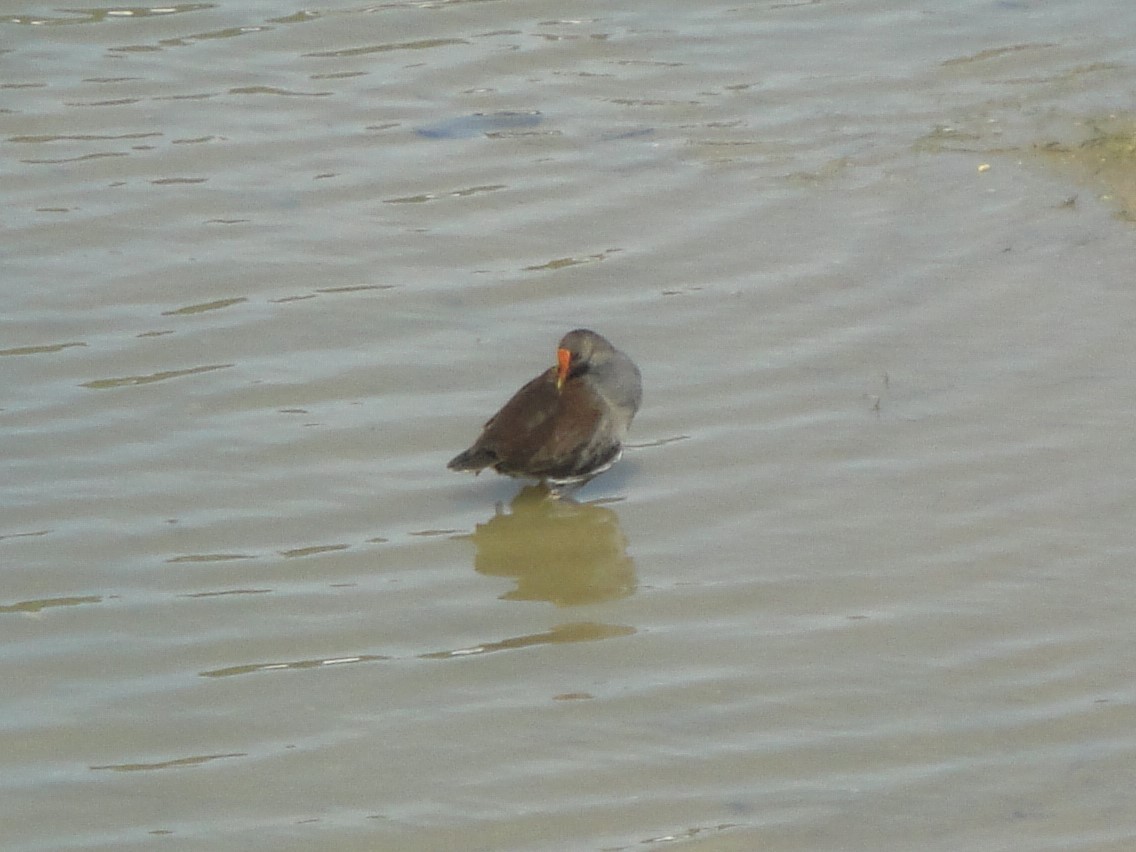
(475, 459)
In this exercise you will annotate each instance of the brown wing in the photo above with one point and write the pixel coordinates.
(525, 411)
(511, 436)
(542, 431)
(570, 444)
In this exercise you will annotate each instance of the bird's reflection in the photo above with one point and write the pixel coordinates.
(559, 551)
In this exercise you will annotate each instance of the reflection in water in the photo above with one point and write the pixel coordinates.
(100, 384)
(37, 606)
(250, 668)
(170, 764)
(586, 631)
(558, 551)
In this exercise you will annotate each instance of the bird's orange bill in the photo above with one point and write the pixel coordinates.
(564, 362)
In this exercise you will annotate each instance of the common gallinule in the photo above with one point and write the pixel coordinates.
(566, 425)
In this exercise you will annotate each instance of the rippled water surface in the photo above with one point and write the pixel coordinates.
(864, 578)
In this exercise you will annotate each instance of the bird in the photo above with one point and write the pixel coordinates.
(567, 425)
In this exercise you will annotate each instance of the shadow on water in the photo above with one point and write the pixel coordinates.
(559, 551)
(1097, 152)
(1104, 160)
(481, 124)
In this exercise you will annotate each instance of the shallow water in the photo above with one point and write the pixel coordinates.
(863, 578)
